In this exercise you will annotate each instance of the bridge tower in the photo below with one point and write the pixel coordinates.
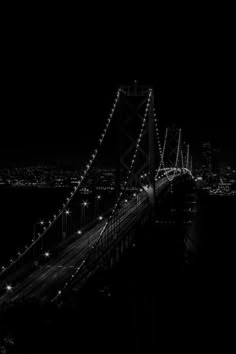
(129, 117)
(173, 156)
(185, 156)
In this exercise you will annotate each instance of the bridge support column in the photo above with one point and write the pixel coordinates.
(151, 137)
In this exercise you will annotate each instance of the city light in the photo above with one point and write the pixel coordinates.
(67, 212)
(9, 288)
(98, 197)
(85, 204)
(79, 232)
(100, 218)
(47, 254)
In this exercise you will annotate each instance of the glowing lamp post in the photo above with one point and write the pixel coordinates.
(64, 221)
(9, 288)
(98, 198)
(83, 213)
(47, 254)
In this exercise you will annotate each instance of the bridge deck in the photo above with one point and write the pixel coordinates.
(43, 282)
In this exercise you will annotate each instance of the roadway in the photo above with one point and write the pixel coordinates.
(43, 283)
(56, 271)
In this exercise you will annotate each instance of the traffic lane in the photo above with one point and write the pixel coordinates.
(37, 275)
(42, 274)
(69, 264)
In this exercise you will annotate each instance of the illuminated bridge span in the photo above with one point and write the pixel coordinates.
(145, 168)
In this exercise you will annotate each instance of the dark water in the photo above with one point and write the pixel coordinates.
(159, 301)
(19, 210)
(153, 299)
(210, 279)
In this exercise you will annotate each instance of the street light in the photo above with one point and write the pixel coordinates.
(84, 205)
(98, 198)
(64, 222)
(9, 288)
(47, 254)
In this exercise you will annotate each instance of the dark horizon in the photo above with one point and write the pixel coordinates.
(47, 118)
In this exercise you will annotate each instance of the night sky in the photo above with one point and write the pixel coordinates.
(57, 92)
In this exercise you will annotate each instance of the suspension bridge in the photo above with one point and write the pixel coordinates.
(145, 165)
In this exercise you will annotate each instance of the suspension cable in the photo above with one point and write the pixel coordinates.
(72, 194)
(162, 150)
(118, 199)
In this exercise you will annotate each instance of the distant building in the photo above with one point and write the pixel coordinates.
(224, 187)
(207, 157)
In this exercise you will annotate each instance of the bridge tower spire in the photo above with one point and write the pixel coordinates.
(136, 102)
